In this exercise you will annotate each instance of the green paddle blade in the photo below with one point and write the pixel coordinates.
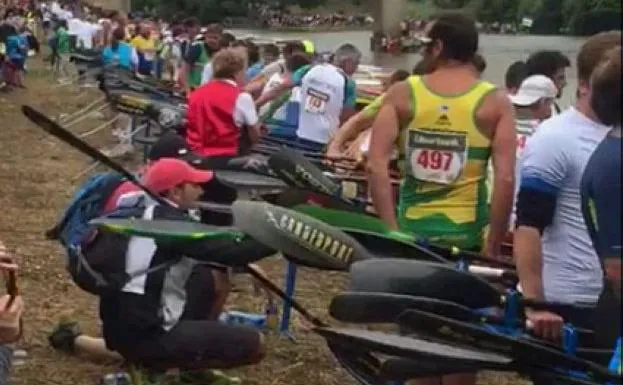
(372, 233)
(302, 239)
(166, 229)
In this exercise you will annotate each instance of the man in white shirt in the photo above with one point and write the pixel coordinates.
(533, 104)
(282, 115)
(328, 96)
(257, 84)
(84, 31)
(555, 258)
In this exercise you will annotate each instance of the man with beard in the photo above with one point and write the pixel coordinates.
(447, 124)
(200, 53)
(601, 193)
(555, 259)
(552, 64)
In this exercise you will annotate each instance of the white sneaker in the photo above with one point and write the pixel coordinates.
(118, 150)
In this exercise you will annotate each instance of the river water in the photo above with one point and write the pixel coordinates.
(499, 51)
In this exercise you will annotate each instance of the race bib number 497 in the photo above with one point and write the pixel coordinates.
(316, 101)
(437, 157)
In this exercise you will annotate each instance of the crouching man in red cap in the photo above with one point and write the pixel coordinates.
(168, 317)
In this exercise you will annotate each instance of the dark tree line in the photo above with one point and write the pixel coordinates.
(580, 17)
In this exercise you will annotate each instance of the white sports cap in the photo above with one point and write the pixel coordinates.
(534, 88)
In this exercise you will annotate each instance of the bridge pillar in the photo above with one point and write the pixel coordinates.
(388, 15)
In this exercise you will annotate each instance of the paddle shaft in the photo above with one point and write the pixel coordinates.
(469, 255)
(289, 300)
(69, 138)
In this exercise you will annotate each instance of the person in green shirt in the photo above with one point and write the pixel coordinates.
(63, 48)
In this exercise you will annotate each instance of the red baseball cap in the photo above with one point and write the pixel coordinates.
(167, 173)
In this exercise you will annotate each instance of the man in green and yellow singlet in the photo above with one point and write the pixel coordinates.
(446, 124)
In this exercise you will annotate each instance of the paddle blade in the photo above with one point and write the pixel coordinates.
(407, 347)
(249, 181)
(303, 240)
(527, 353)
(372, 233)
(401, 369)
(385, 308)
(165, 229)
(299, 172)
(364, 368)
(423, 279)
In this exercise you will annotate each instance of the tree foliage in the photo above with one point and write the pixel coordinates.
(580, 17)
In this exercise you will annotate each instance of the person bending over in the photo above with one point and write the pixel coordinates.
(350, 138)
(222, 121)
(168, 317)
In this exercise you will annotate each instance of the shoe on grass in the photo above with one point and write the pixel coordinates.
(64, 336)
(140, 376)
(207, 377)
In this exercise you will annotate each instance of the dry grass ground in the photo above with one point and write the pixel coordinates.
(35, 184)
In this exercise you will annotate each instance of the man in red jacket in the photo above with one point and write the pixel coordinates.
(222, 119)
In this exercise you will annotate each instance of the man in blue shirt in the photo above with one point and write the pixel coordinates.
(601, 194)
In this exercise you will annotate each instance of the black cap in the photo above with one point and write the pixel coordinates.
(172, 145)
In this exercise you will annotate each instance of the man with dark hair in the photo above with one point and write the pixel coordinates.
(553, 252)
(282, 115)
(601, 192)
(200, 52)
(328, 96)
(515, 75)
(480, 64)
(257, 84)
(254, 62)
(352, 131)
(552, 64)
(452, 106)
(270, 54)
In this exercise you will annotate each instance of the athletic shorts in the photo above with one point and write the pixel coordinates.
(195, 342)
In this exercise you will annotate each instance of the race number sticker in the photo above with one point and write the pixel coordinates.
(316, 101)
(437, 157)
(521, 144)
(149, 55)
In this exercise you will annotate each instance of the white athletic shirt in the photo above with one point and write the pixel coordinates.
(272, 83)
(207, 73)
(553, 161)
(276, 67)
(322, 100)
(525, 129)
(84, 32)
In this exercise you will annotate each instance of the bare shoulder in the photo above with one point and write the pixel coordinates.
(399, 96)
(495, 106)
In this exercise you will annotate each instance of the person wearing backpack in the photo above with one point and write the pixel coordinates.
(167, 314)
